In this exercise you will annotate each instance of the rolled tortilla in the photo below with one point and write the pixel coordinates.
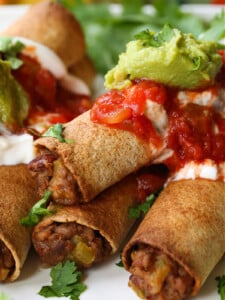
(87, 233)
(18, 195)
(95, 158)
(49, 23)
(179, 242)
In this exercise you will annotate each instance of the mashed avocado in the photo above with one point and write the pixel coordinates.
(168, 57)
(14, 103)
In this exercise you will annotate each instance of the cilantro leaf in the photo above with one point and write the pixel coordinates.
(66, 282)
(156, 39)
(101, 25)
(135, 212)
(120, 263)
(221, 286)
(9, 51)
(37, 211)
(56, 132)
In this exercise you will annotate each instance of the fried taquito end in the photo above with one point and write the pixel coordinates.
(18, 195)
(179, 242)
(87, 233)
(94, 158)
(50, 24)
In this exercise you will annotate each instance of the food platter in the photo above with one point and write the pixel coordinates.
(107, 280)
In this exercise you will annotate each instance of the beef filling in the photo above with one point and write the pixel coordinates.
(59, 242)
(52, 175)
(7, 263)
(155, 276)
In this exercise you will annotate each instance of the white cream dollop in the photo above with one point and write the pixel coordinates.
(207, 169)
(16, 149)
(52, 62)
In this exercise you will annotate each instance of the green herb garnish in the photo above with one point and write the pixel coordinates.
(135, 212)
(196, 63)
(9, 50)
(120, 263)
(37, 211)
(66, 282)
(55, 131)
(221, 286)
(156, 39)
(101, 25)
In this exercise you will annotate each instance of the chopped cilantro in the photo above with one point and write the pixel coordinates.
(120, 263)
(221, 286)
(102, 25)
(197, 63)
(9, 51)
(37, 211)
(56, 132)
(135, 212)
(156, 39)
(66, 282)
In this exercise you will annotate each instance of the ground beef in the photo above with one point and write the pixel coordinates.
(174, 284)
(54, 243)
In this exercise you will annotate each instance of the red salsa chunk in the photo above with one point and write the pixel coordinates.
(194, 132)
(45, 94)
(125, 109)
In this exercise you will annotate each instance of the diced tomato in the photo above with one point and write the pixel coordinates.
(49, 101)
(109, 109)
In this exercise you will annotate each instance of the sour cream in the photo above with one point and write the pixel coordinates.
(207, 169)
(52, 62)
(16, 149)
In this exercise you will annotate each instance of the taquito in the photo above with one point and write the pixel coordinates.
(18, 195)
(179, 242)
(87, 233)
(50, 24)
(94, 158)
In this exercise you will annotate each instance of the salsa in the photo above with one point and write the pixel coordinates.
(124, 109)
(48, 99)
(194, 132)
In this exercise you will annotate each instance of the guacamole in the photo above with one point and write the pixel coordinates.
(169, 57)
(14, 103)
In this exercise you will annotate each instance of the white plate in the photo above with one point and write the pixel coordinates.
(106, 281)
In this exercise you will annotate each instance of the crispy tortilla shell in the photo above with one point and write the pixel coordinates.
(18, 195)
(108, 214)
(50, 24)
(187, 223)
(97, 156)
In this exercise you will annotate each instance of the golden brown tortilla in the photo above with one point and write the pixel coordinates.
(187, 223)
(17, 196)
(97, 156)
(108, 214)
(49, 23)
